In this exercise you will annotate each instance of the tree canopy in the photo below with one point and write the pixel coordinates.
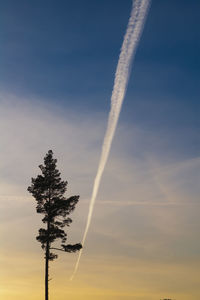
(49, 189)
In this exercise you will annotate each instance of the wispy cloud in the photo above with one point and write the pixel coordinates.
(146, 208)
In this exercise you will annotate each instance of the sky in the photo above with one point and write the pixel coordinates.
(57, 66)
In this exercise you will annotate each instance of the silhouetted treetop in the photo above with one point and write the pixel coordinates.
(48, 190)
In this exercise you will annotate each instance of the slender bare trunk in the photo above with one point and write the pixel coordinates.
(47, 266)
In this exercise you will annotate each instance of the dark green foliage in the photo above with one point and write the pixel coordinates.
(48, 190)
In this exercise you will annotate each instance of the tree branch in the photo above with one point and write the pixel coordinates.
(58, 249)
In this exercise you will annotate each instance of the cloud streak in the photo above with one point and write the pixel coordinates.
(128, 50)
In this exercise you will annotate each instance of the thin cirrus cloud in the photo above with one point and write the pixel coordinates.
(146, 209)
(75, 139)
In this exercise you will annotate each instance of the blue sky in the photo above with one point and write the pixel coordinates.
(66, 53)
(57, 66)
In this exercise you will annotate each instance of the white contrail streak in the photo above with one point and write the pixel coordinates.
(131, 39)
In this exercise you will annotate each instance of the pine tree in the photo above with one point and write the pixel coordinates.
(48, 190)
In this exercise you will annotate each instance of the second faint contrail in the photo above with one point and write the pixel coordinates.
(131, 39)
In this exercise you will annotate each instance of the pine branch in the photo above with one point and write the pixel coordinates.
(57, 249)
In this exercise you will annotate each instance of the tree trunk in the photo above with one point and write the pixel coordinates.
(47, 266)
(47, 276)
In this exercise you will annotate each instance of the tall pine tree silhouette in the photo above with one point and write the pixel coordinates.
(48, 190)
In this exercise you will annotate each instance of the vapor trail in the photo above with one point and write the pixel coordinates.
(131, 39)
